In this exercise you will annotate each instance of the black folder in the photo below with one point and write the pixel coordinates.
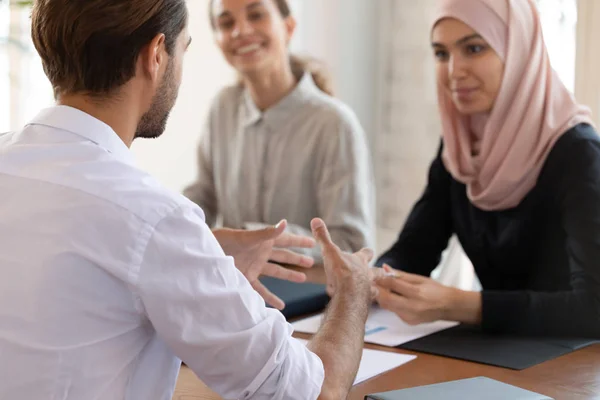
(508, 351)
(300, 298)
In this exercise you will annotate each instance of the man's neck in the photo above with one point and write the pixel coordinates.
(267, 89)
(116, 113)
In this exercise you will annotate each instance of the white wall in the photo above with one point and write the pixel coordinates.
(344, 34)
(410, 128)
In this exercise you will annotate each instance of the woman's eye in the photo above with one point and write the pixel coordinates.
(475, 48)
(441, 55)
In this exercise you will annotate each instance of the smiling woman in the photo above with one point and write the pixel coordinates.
(408, 104)
(468, 69)
(246, 54)
(277, 144)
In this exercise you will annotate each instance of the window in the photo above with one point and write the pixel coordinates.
(559, 24)
(4, 69)
(24, 89)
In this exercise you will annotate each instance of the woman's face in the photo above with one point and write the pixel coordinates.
(252, 34)
(468, 69)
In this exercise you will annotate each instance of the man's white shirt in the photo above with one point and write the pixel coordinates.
(108, 281)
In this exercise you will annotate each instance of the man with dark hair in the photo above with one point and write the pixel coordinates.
(108, 280)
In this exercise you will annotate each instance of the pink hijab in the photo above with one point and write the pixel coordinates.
(531, 112)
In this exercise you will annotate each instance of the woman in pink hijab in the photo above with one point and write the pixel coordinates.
(517, 180)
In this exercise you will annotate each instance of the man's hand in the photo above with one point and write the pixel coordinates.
(259, 252)
(417, 299)
(339, 341)
(341, 266)
(373, 273)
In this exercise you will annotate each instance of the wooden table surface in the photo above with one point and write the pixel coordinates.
(575, 376)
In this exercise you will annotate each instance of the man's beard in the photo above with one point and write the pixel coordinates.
(154, 122)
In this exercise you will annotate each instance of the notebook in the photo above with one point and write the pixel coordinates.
(300, 298)
(480, 388)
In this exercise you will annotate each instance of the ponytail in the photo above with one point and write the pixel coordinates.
(315, 68)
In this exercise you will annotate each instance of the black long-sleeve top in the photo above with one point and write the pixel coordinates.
(538, 263)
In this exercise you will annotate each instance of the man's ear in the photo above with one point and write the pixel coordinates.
(152, 58)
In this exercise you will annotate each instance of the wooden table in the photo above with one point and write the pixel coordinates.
(575, 376)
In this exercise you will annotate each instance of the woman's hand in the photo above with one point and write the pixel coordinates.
(417, 299)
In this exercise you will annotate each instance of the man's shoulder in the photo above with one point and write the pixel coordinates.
(141, 194)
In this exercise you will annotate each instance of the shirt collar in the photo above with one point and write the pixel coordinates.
(279, 112)
(84, 125)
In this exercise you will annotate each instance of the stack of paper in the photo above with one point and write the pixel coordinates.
(383, 328)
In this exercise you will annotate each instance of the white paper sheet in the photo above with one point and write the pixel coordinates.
(383, 327)
(376, 362)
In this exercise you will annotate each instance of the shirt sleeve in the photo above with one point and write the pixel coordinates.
(209, 315)
(428, 228)
(203, 190)
(345, 186)
(574, 312)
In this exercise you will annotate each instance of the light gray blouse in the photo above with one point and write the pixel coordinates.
(305, 157)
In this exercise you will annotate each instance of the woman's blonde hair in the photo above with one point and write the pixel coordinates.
(299, 65)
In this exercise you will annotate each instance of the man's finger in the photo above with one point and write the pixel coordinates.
(283, 256)
(366, 255)
(268, 296)
(279, 272)
(287, 240)
(321, 234)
